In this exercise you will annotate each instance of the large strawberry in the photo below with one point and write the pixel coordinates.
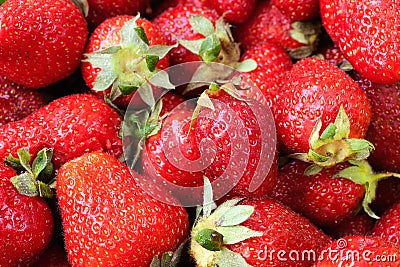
(17, 102)
(360, 251)
(71, 126)
(251, 232)
(122, 54)
(109, 220)
(41, 42)
(367, 33)
(318, 95)
(26, 224)
(388, 226)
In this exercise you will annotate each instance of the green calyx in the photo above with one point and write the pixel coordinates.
(33, 179)
(213, 230)
(306, 33)
(362, 173)
(333, 145)
(169, 258)
(217, 45)
(129, 65)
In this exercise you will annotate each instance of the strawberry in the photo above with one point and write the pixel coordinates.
(54, 256)
(26, 224)
(36, 47)
(299, 9)
(17, 101)
(385, 126)
(109, 220)
(387, 194)
(360, 251)
(273, 62)
(234, 11)
(387, 227)
(317, 95)
(122, 53)
(269, 24)
(321, 198)
(100, 10)
(359, 224)
(249, 233)
(70, 125)
(367, 33)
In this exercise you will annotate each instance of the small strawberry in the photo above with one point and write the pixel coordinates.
(298, 9)
(269, 24)
(318, 95)
(70, 125)
(359, 224)
(109, 220)
(26, 224)
(367, 33)
(360, 251)
(249, 232)
(384, 129)
(122, 54)
(41, 42)
(388, 226)
(17, 102)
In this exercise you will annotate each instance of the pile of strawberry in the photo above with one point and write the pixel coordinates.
(293, 160)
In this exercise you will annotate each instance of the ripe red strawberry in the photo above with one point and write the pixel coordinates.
(388, 226)
(17, 102)
(234, 11)
(298, 9)
(26, 224)
(54, 256)
(269, 24)
(252, 233)
(100, 10)
(321, 198)
(359, 224)
(159, 7)
(384, 129)
(314, 91)
(387, 194)
(37, 48)
(71, 126)
(122, 53)
(109, 220)
(360, 251)
(273, 62)
(176, 24)
(367, 33)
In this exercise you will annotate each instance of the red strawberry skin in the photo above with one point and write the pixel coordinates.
(234, 11)
(175, 22)
(368, 35)
(298, 9)
(71, 125)
(36, 47)
(283, 230)
(359, 224)
(26, 224)
(313, 89)
(109, 220)
(17, 102)
(324, 200)
(388, 226)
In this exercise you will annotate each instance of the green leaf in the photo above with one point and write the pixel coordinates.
(25, 159)
(100, 60)
(193, 46)
(246, 65)
(360, 144)
(201, 25)
(224, 207)
(236, 215)
(130, 35)
(237, 233)
(160, 50)
(151, 61)
(45, 190)
(25, 184)
(127, 89)
(210, 48)
(354, 174)
(146, 93)
(161, 79)
(209, 239)
(105, 78)
(142, 34)
(208, 202)
(14, 162)
(2, 2)
(43, 158)
(204, 101)
(370, 192)
(329, 132)
(315, 157)
(312, 169)
(228, 258)
(342, 124)
(314, 137)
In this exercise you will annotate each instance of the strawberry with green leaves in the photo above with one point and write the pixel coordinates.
(17, 102)
(26, 223)
(367, 33)
(248, 233)
(123, 53)
(71, 126)
(41, 42)
(322, 114)
(387, 227)
(109, 220)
